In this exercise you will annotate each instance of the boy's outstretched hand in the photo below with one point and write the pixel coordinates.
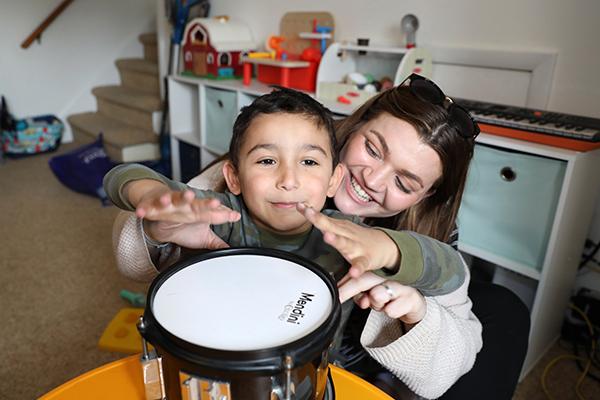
(183, 207)
(364, 248)
(178, 217)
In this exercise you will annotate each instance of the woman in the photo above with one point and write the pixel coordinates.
(406, 162)
(389, 147)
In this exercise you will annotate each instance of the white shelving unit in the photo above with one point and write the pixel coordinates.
(202, 112)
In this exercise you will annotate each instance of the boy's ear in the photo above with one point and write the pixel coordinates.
(335, 180)
(231, 178)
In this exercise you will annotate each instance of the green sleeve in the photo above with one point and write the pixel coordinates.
(122, 174)
(432, 267)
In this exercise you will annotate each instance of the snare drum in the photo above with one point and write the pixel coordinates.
(240, 324)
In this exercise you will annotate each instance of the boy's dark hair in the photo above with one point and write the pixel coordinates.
(285, 101)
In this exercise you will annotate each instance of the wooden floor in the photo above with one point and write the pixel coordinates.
(59, 288)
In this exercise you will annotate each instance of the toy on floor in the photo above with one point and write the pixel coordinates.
(136, 299)
(121, 334)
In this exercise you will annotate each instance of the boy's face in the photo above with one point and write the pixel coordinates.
(284, 159)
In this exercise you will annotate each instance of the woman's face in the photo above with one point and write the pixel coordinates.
(388, 169)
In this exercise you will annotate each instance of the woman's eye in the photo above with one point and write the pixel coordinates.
(309, 163)
(402, 187)
(266, 161)
(371, 149)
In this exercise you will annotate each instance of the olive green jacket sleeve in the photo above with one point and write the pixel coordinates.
(122, 174)
(432, 267)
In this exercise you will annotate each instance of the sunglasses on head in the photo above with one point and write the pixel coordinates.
(426, 90)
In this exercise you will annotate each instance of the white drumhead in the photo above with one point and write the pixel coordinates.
(242, 302)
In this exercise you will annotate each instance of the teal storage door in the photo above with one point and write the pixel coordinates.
(509, 204)
(220, 113)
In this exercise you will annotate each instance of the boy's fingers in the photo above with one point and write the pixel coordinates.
(216, 243)
(319, 220)
(165, 200)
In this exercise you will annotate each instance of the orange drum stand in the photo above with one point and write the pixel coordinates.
(122, 379)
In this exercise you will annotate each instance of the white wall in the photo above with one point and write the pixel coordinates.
(76, 53)
(570, 28)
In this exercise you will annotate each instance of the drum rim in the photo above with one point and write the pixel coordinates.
(302, 350)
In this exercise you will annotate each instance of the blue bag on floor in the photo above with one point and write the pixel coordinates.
(83, 169)
(32, 135)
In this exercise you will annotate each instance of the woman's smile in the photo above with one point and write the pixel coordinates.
(357, 191)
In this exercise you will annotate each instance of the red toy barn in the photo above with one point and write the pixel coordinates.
(212, 47)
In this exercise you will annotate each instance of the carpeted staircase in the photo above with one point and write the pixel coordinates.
(129, 114)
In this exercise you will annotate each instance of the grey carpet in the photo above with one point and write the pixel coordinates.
(59, 287)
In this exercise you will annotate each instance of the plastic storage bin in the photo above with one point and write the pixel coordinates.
(220, 111)
(491, 219)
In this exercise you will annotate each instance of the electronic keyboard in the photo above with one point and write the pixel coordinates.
(546, 127)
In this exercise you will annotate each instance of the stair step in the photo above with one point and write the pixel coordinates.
(150, 48)
(138, 65)
(140, 74)
(130, 106)
(128, 97)
(123, 142)
(147, 38)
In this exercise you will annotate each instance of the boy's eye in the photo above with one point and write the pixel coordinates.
(309, 163)
(266, 161)
(402, 187)
(371, 149)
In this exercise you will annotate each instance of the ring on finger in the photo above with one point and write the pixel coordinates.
(388, 290)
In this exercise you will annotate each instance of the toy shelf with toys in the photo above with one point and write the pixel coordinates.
(350, 74)
(220, 58)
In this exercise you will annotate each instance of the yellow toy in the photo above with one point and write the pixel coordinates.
(121, 334)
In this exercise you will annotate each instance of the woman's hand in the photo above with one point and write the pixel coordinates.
(396, 300)
(364, 248)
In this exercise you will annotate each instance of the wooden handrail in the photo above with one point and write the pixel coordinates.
(42, 27)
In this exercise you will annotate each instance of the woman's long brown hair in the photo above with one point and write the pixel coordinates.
(435, 215)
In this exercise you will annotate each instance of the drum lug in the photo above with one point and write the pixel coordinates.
(194, 388)
(288, 363)
(287, 392)
(154, 384)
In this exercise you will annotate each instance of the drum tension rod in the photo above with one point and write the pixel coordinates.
(288, 364)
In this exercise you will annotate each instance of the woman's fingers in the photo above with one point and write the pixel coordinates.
(398, 301)
(351, 287)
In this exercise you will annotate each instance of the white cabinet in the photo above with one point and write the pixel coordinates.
(202, 113)
(527, 209)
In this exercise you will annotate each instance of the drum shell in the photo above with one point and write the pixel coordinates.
(250, 373)
(247, 385)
